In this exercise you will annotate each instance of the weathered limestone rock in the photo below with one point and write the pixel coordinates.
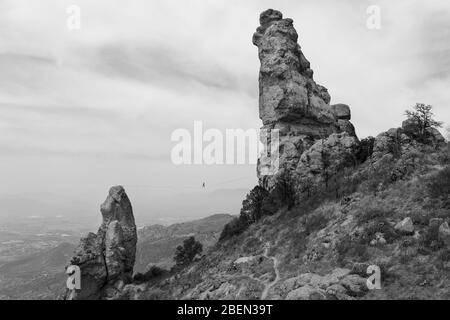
(339, 284)
(342, 111)
(291, 101)
(434, 137)
(287, 91)
(106, 259)
(327, 157)
(306, 293)
(405, 226)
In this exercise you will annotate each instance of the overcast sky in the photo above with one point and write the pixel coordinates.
(82, 110)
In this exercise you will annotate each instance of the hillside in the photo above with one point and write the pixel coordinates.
(321, 249)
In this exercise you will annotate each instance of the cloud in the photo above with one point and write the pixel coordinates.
(162, 66)
(63, 111)
(36, 151)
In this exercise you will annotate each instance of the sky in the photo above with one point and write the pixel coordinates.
(82, 110)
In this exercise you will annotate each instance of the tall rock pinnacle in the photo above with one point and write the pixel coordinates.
(106, 259)
(289, 98)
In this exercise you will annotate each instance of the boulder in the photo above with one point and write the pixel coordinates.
(405, 226)
(326, 157)
(306, 293)
(342, 111)
(433, 136)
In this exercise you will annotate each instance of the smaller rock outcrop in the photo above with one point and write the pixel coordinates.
(106, 259)
(432, 135)
(405, 226)
(327, 157)
(340, 284)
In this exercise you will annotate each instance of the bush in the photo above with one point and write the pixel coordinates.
(155, 294)
(186, 253)
(430, 240)
(379, 226)
(365, 149)
(372, 213)
(444, 155)
(355, 250)
(257, 204)
(233, 228)
(152, 273)
(394, 145)
(439, 185)
(315, 222)
(444, 255)
(284, 192)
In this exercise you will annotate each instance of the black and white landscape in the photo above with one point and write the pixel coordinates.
(217, 150)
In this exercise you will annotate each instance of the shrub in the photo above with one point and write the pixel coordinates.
(394, 145)
(152, 273)
(348, 248)
(233, 228)
(365, 149)
(257, 204)
(444, 255)
(430, 240)
(284, 192)
(155, 294)
(186, 253)
(444, 155)
(379, 226)
(314, 222)
(372, 213)
(439, 185)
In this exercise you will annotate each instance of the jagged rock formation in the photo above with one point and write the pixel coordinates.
(106, 259)
(292, 102)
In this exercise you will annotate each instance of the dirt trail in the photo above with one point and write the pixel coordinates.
(275, 267)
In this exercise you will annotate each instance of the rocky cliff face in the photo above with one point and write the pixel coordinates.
(293, 103)
(106, 259)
